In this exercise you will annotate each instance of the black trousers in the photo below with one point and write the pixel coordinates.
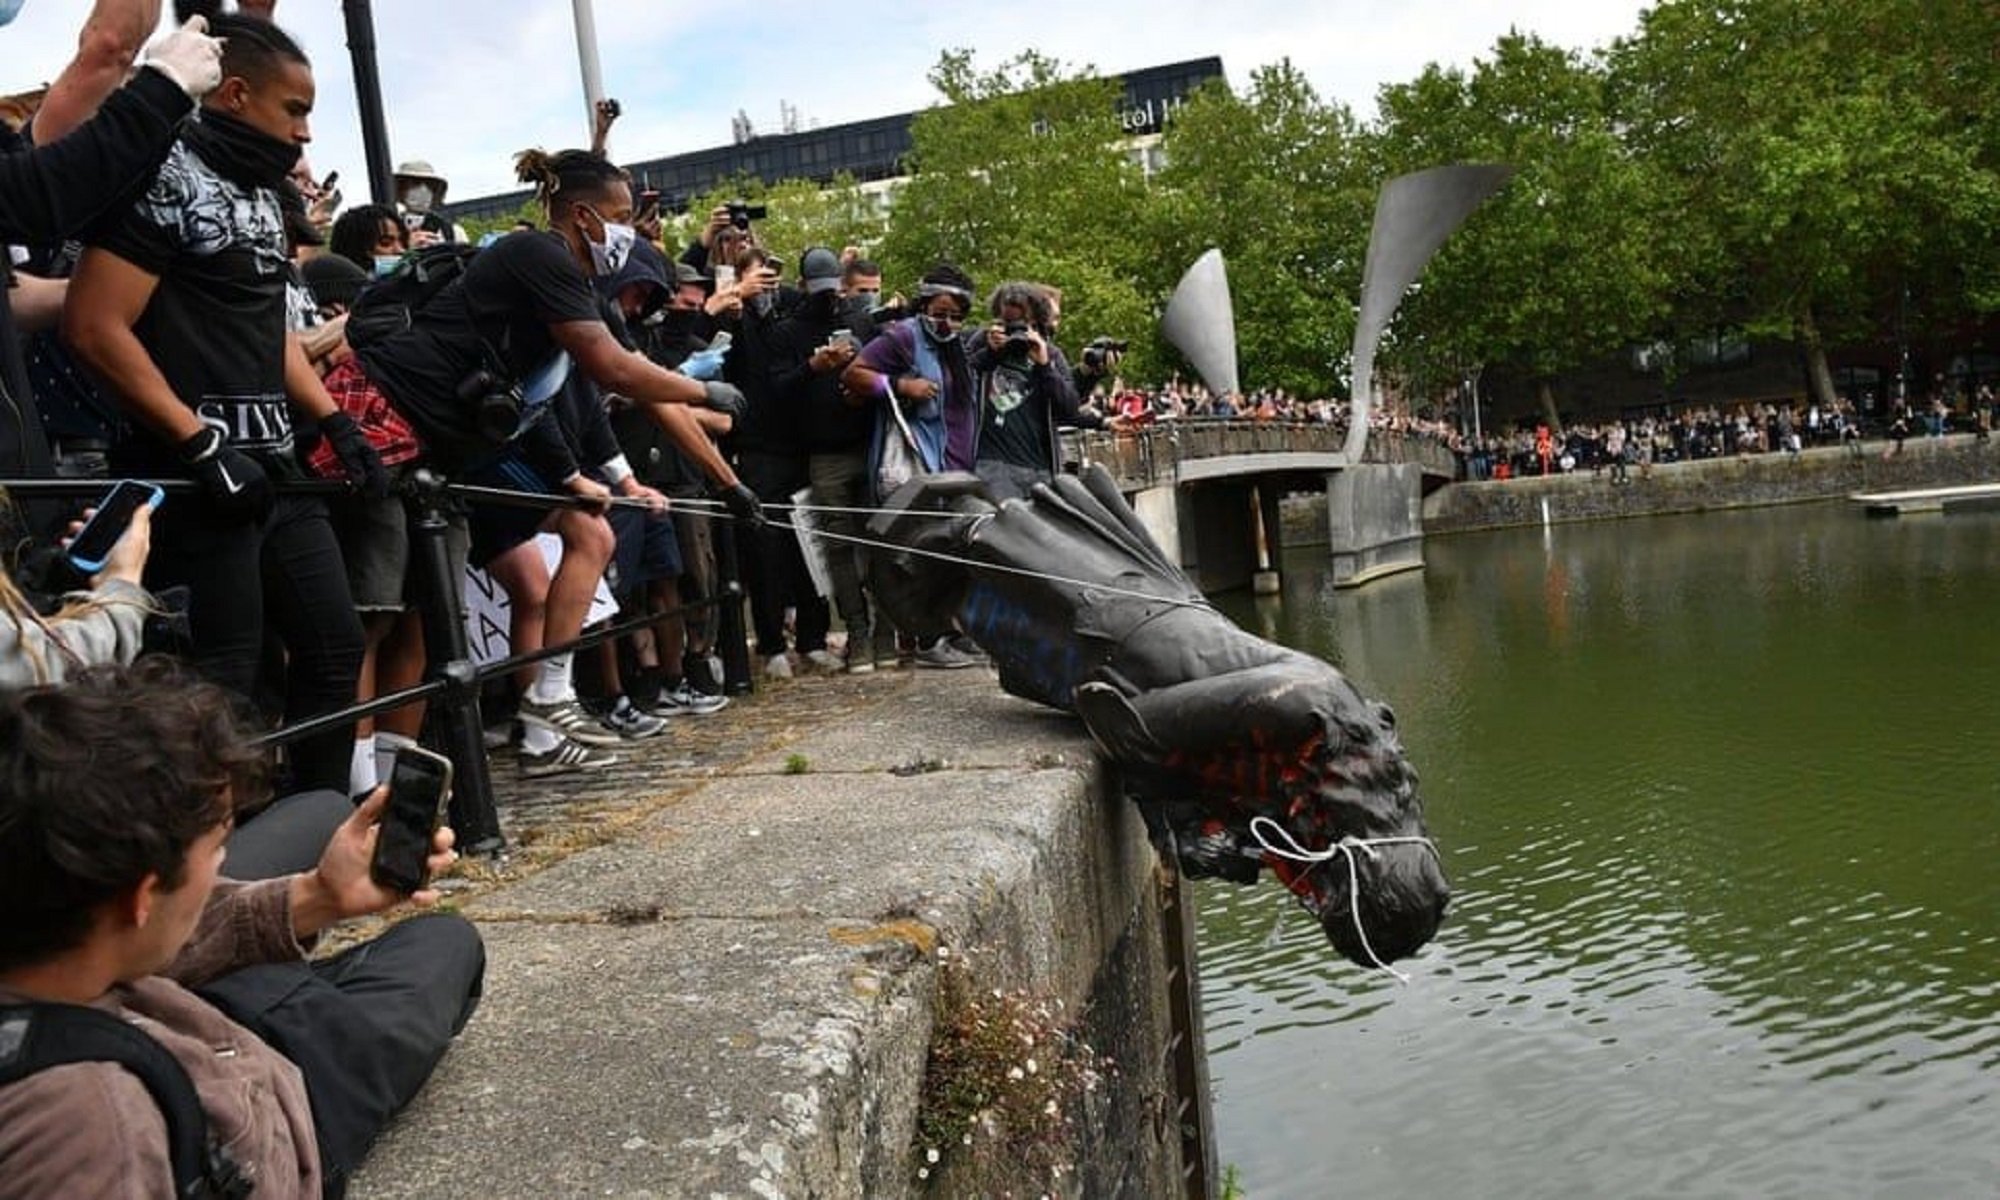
(287, 837)
(365, 1027)
(284, 576)
(772, 566)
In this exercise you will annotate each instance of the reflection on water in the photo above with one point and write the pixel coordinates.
(1720, 796)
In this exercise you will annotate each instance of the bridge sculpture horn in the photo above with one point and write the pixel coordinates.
(1201, 323)
(1413, 216)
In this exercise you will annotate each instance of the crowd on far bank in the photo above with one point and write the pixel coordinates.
(1708, 431)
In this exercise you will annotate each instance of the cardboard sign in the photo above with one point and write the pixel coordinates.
(489, 616)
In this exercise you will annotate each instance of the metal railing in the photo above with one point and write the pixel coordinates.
(1152, 456)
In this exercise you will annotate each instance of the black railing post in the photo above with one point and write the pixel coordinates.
(731, 640)
(454, 716)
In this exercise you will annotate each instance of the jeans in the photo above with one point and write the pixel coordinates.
(285, 576)
(365, 1027)
(840, 480)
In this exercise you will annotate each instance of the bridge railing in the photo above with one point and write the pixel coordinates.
(1152, 456)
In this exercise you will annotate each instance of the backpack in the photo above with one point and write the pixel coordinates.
(389, 305)
(35, 1037)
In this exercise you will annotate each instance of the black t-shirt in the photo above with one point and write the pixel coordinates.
(510, 294)
(1014, 414)
(215, 325)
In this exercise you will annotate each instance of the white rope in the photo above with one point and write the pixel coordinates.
(1344, 848)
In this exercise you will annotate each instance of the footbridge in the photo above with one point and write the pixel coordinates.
(1208, 491)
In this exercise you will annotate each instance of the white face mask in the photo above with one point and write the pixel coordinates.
(419, 198)
(610, 257)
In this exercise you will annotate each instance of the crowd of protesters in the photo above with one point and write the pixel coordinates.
(188, 303)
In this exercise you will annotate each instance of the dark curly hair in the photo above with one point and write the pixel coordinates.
(104, 780)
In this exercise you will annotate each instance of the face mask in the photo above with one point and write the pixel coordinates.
(935, 331)
(761, 303)
(864, 300)
(418, 199)
(386, 264)
(9, 9)
(617, 247)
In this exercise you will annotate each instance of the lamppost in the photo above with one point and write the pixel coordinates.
(586, 58)
(368, 99)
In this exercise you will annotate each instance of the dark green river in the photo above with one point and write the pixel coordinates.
(1720, 800)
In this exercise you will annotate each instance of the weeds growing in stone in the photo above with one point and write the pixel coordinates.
(1008, 1073)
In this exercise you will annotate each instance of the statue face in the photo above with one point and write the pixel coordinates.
(1357, 784)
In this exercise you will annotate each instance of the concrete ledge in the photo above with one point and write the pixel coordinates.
(733, 996)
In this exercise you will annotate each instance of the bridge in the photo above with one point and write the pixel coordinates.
(1208, 491)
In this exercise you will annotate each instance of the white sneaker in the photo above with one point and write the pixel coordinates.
(687, 700)
(779, 666)
(825, 662)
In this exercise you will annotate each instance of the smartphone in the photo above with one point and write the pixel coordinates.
(419, 785)
(776, 263)
(92, 546)
(724, 276)
(327, 184)
(649, 206)
(843, 337)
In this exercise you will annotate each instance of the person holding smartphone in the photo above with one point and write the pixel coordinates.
(105, 624)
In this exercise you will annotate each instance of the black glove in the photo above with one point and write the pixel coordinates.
(726, 399)
(743, 504)
(364, 466)
(235, 484)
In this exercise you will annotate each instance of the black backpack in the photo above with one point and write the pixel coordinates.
(34, 1037)
(389, 305)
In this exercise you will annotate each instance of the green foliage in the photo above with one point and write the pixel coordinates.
(1022, 174)
(797, 764)
(1568, 261)
(1275, 180)
(529, 211)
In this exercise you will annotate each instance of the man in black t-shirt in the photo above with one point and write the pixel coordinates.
(524, 311)
(180, 309)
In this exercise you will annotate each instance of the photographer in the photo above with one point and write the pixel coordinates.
(1025, 393)
(116, 794)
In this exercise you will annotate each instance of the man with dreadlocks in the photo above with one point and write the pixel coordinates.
(524, 314)
(180, 309)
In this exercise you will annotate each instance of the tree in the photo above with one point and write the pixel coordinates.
(1021, 174)
(1829, 157)
(1272, 178)
(1568, 261)
(799, 213)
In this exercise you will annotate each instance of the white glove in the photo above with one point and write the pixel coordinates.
(189, 57)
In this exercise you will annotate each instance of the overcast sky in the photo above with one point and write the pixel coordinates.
(468, 82)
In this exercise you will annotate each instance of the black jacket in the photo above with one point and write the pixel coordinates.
(52, 192)
(812, 402)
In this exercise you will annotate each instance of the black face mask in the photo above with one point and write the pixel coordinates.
(241, 153)
(678, 321)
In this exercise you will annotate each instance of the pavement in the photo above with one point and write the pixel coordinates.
(712, 968)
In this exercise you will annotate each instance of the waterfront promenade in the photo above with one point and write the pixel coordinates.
(714, 970)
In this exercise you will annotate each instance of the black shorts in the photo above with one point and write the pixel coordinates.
(498, 528)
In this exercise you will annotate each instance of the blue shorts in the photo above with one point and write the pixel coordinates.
(648, 550)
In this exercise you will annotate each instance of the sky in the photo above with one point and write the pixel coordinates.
(468, 82)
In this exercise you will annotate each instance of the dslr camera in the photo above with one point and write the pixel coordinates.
(496, 404)
(1017, 344)
(741, 213)
(1097, 353)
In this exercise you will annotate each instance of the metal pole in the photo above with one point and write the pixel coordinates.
(586, 58)
(368, 98)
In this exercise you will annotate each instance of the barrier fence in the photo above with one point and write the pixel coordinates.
(452, 680)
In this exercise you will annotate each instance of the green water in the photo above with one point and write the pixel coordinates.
(1720, 797)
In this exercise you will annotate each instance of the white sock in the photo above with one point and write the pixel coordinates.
(538, 739)
(553, 685)
(386, 745)
(361, 773)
